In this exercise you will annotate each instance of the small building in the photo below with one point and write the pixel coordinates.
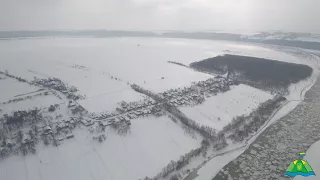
(46, 129)
(9, 143)
(104, 123)
(72, 122)
(135, 113)
(87, 122)
(26, 139)
(132, 116)
(112, 120)
(69, 136)
(71, 104)
(139, 112)
(61, 126)
(126, 118)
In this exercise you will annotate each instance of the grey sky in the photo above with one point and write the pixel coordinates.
(229, 15)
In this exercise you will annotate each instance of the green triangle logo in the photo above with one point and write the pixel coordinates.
(299, 167)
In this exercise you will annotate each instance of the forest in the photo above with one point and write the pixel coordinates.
(261, 73)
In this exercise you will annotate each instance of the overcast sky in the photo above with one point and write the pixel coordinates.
(228, 15)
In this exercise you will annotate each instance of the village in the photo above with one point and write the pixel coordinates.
(188, 96)
(55, 130)
(58, 85)
(196, 93)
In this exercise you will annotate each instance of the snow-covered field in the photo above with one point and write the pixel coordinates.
(103, 69)
(107, 65)
(120, 57)
(135, 60)
(218, 111)
(10, 88)
(297, 91)
(151, 145)
(36, 102)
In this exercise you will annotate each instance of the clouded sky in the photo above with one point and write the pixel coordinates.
(229, 15)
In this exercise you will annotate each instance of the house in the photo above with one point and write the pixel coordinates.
(87, 122)
(132, 116)
(135, 113)
(69, 136)
(139, 105)
(61, 126)
(126, 118)
(9, 143)
(26, 139)
(71, 104)
(72, 122)
(105, 123)
(117, 120)
(139, 112)
(129, 108)
(46, 129)
(144, 111)
(134, 106)
(213, 90)
(112, 120)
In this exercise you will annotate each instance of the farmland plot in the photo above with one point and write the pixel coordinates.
(151, 144)
(218, 111)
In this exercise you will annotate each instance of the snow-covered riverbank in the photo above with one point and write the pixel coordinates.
(270, 154)
(208, 170)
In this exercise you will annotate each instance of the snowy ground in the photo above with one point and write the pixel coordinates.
(151, 145)
(293, 133)
(208, 171)
(39, 102)
(107, 65)
(10, 88)
(136, 60)
(296, 96)
(218, 111)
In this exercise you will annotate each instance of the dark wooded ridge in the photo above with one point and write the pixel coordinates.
(258, 72)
